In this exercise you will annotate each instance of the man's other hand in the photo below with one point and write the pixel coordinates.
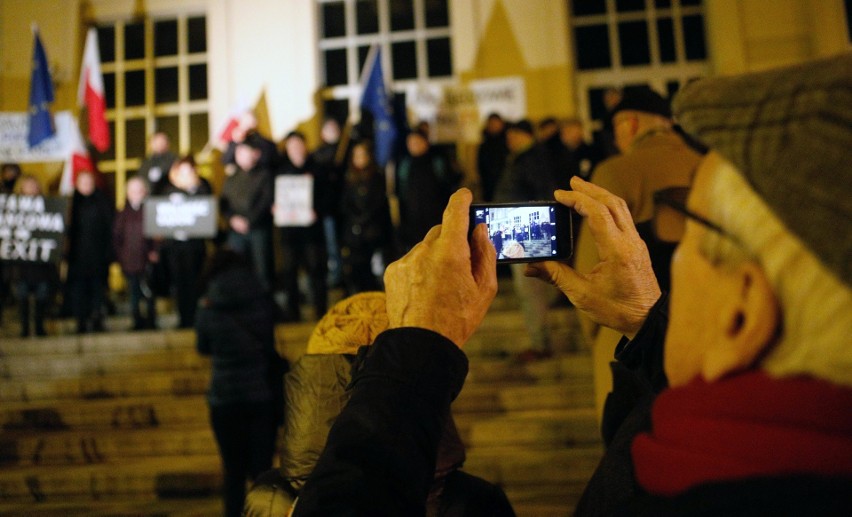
(445, 284)
(620, 290)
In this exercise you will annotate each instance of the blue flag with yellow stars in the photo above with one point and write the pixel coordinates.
(375, 99)
(41, 96)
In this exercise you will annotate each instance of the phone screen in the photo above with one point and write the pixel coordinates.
(526, 232)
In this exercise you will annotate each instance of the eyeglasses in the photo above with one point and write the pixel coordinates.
(670, 215)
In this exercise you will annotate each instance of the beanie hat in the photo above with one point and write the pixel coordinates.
(522, 125)
(352, 323)
(644, 99)
(789, 132)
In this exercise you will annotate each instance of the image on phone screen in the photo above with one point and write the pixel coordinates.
(525, 233)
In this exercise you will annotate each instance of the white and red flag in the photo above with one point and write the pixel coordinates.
(78, 159)
(90, 93)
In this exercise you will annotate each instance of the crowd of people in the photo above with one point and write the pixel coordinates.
(730, 395)
(345, 241)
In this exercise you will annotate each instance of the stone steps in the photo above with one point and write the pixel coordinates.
(116, 424)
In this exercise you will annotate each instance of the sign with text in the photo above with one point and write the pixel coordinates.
(294, 200)
(13, 139)
(32, 228)
(457, 112)
(180, 217)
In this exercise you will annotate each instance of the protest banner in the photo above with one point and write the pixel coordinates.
(457, 112)
(294, 200)
(32, 228)
(14, 147)
(180, 217)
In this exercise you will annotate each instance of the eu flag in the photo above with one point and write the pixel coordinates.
(41, 95)
(375, 100)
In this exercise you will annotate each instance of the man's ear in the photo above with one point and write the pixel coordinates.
(749, 322)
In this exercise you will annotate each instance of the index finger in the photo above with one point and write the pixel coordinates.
(456, 218)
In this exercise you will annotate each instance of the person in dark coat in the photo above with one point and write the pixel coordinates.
(491, 155)
(89, 252)
(329, 160)
(235, 327)
(135, 253)
(305, 246)
(425, 180)
(156, 166)
(186, 255)
(245, 204)
(36, 280)
(365, 217)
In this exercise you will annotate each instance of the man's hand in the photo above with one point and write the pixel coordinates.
(445, 284)
(239, 224)
(620, 290)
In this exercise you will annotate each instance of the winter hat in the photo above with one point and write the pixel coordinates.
(352, 323)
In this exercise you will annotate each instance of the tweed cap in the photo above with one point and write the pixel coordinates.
(789, 132)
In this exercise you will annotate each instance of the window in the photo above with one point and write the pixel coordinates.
(155, 77)
(414, 36)
(627, 43)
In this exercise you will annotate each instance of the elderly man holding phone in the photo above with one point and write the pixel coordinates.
(744, 403)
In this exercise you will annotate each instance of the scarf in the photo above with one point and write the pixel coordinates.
(749, 425)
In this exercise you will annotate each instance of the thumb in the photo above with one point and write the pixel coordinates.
(483, 258)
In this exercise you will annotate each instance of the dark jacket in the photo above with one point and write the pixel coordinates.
(529, 175)
(365, 215)
(130, 245)
(155, 170)
(248, 194)
(235, 326)
(90, 236)
(394, 417)
(424, 186)
(317, 393)
(491, 161)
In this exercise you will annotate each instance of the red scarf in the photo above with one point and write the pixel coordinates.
(749, 425)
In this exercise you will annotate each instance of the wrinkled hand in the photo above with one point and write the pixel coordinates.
(445, 284)
(620, 290)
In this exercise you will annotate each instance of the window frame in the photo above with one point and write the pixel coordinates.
(385, 38)
(655, 74)
(183, 108)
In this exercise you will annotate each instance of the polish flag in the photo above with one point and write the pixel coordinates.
(78, 160)
(226, 128)
(90, 92)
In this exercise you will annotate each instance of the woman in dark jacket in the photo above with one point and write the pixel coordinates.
(235, 326)
(365, 216)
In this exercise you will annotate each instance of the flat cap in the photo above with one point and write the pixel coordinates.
(789, 132)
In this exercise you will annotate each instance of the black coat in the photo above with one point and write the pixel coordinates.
(365, 215)
(90, 236)
(530, 175)
(235, 326)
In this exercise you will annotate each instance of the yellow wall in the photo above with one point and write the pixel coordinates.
(267, 46)
(750, 35)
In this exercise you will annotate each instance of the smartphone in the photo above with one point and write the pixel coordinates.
(530, 231)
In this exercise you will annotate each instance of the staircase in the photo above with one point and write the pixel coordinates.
(116, 424)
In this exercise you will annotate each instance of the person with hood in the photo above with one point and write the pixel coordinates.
(235, 327)
(317, 391)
